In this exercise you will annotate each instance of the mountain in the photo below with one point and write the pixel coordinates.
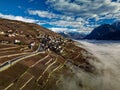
(73, 35)
(45, 67)
(106, 32)
(116, 25)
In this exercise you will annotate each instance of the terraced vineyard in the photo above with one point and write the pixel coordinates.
(43, 66)
(12, 51)
(36, 70)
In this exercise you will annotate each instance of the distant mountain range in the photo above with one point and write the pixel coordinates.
(73, 35)
(106, 32)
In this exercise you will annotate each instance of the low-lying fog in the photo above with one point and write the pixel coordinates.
(108, 54)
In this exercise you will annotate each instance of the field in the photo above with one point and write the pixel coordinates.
(9, 52)
(24, 69)
(35, 69)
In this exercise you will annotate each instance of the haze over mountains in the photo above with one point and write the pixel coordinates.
(73, 35)
(102, 32)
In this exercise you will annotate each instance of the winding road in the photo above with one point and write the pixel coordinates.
(7, 64)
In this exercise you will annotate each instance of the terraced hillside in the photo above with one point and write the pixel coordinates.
(41, 68)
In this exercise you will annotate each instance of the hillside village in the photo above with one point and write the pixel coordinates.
(47, 42)
(17, 35)
(34, 58)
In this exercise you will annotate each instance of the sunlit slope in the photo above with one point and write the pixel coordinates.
(33, 69)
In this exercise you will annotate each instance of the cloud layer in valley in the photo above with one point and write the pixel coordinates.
(107, 64)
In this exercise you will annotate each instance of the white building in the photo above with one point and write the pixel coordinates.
(17, 41)
(2, 33)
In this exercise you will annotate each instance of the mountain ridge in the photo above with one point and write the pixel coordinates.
(105, 32)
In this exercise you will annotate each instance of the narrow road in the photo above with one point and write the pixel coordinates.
(7, 64)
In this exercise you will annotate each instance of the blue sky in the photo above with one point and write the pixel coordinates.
(62, 15)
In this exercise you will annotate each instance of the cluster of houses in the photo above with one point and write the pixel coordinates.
(2, 33)
(14, 33)
(53, 43)
(10, 33)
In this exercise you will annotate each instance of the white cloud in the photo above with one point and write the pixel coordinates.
(78, 24)
(31, 0)
(77, 13)
(59, 29)
(19, 7)
(67, 30)
(66, 23)
(43, 14)
(85, 8)
(49, 15)
(19, 18)
(63, 21)
(59, 20)
(108, 74)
